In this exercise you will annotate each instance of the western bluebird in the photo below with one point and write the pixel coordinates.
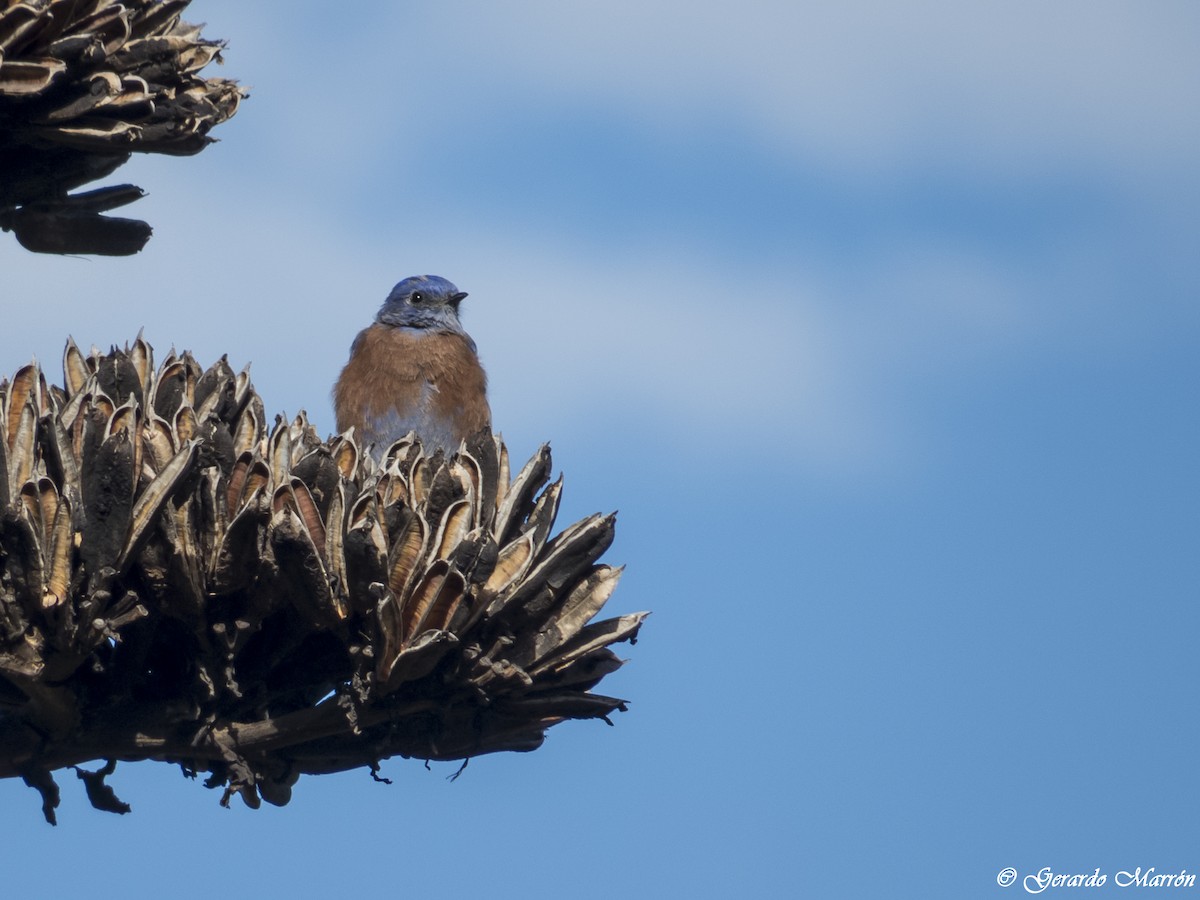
(414, 369)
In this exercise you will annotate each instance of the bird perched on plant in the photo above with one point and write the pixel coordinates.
(414, 369)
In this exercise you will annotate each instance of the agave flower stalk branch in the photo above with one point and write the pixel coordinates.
(83, 85)
(182, 581)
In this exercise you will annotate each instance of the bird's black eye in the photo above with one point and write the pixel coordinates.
(418, 297)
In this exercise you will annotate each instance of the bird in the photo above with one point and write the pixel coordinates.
(414, 369)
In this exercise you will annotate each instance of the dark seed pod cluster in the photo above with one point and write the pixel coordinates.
(84, 83)
(182, 581)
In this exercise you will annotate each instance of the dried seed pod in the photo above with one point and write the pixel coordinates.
(408, 551)
(22, 446)
(249, 431)
(76, 371)
(154, 498)
(310, 516)
(279, 452)
(58, 562)
(109, 482)
(517, 503)
(335, 546)
(591, 638)
(159, 441)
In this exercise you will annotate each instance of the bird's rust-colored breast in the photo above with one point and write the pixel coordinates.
(411, 379)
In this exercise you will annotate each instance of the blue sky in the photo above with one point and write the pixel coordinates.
(877, 323)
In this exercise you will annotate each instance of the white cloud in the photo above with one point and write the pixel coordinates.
(258, 251)
(868, 85)
(864, 88)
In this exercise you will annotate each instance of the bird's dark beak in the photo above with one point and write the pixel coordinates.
(458, 298)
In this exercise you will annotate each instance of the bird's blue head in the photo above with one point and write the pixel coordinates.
(423, 301)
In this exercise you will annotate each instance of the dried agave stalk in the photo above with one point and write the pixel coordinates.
(83, 83)
(181, 582)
